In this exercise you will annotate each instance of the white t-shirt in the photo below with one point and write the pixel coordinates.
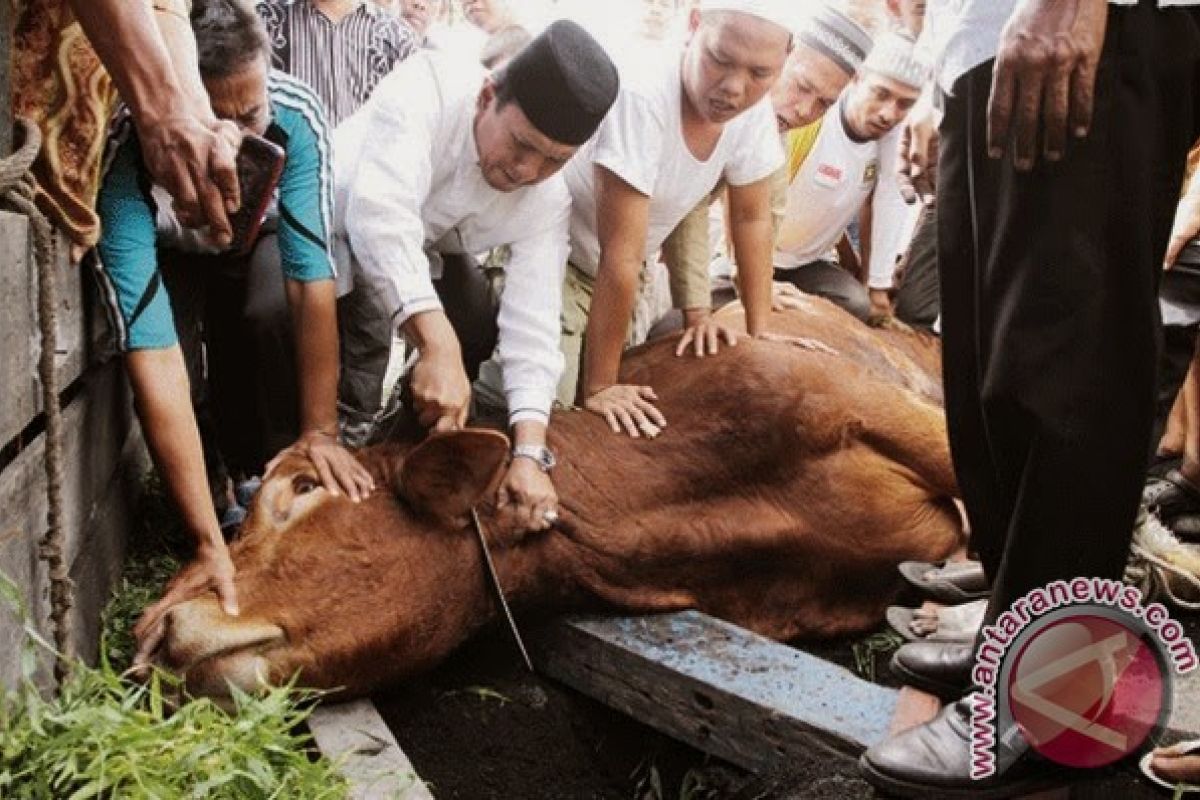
(641, 141)
(829, 191)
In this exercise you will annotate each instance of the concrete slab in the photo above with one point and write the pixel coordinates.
(354, 737)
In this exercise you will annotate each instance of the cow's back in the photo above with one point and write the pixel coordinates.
(787, 473)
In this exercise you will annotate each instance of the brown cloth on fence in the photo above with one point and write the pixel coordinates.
(59, 83)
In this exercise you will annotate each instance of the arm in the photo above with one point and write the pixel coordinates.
(381, 192)
(531, 360)
(129, 264)
(757, 177)
(687, 255)
(305, 226)
(622, 218)
(186, 148)
(752, 227)
(313, 307)
(882, 239)
(163, 401)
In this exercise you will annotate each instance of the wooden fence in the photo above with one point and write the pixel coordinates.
(104, 456)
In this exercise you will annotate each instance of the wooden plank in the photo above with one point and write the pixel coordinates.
(103, 462)
(18, 294)
(720, 688)
(354, 737)
(20, 390)
(97, 425)
(6, 101)
(97, 568)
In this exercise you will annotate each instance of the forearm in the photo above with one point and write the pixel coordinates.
(128, 41)
(608, 323)
(314, 323)
(180, 42)
(752, 245)
(163, 400)
(529, 432)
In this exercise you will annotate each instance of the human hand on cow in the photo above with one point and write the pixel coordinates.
(1045, 78)
(628, 408)
(339, 470)
(917, 158)
(702, 334)
(528, 493)
(210, 571)
(440, 387)
(786, 296)
(881, 306)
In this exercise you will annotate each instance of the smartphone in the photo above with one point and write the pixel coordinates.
(259, 165)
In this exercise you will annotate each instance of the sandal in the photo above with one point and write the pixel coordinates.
(950, 582)
(1170, 496)
(958, 624)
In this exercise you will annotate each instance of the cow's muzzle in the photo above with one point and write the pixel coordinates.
(211, 649)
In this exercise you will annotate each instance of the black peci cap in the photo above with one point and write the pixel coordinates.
(564, 82)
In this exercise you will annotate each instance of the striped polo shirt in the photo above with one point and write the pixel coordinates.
(342, 61)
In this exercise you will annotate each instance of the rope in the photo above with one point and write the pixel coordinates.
(17, 192)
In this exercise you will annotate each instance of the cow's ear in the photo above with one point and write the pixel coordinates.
(449, 473)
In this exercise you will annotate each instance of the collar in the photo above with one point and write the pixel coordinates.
(850, 134)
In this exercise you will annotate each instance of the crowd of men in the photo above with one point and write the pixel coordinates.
(474, 221)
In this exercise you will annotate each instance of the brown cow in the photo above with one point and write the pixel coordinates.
(792, 479)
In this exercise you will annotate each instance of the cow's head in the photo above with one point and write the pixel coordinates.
(348, 594)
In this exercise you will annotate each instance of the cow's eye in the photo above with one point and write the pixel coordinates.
(303, 484)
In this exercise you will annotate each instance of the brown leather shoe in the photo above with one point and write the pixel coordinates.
(933, 760)
(940, 668)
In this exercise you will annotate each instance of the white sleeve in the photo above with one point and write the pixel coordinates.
(889, 216)
(389, 184)
(531, 360)
(629, 143)
(759, 152)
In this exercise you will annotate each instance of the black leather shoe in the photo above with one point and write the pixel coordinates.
(934, 761)
(940, 668)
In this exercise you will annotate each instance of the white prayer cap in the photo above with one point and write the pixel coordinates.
(896, 56)
(780, 12)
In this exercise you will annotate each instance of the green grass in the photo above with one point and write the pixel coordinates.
(873, 649)
(106, 736)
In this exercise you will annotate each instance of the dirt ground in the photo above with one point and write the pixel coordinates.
(482, 728)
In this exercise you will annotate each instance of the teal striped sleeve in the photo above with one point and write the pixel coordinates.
(131, 284)
(306, 186)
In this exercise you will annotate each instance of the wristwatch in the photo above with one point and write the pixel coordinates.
(537, 453)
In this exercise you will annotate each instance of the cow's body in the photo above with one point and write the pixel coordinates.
(788, 485)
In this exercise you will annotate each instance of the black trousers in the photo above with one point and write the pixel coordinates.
(1049, 312)
(918, 300)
